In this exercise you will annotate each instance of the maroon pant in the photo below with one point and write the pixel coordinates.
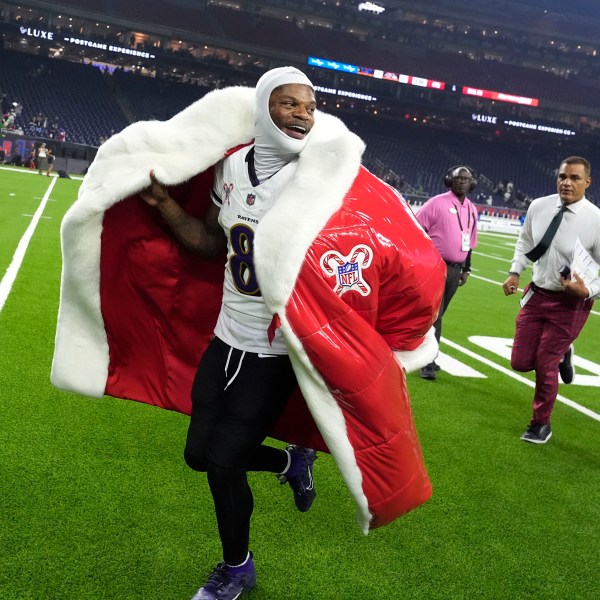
(546, 327)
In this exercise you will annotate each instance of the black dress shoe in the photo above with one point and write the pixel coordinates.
(428, 372)
(566, 368)
(537, 433)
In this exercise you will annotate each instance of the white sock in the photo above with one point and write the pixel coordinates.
(289, 462)
(241, 564)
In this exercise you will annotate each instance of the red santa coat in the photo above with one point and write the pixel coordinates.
(353, 282)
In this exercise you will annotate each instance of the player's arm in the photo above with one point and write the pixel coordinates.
(201, 236)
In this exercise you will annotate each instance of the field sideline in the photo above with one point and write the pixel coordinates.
(96, 501)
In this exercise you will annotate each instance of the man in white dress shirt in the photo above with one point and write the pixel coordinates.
(557, 303)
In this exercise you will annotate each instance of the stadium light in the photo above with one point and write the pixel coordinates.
(371, 7)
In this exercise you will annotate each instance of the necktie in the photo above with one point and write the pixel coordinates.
(536, 252)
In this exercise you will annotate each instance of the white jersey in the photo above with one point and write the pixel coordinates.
(244, 318)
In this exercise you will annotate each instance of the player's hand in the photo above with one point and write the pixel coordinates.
(156, 193)
(463, 278)
(574, 286)
(511, 285)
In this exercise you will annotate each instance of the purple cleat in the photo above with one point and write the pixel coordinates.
(299, 476)
(228, 583)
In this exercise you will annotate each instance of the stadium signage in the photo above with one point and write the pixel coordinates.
(501, 96)
(484, 118)
(401, 78)
(37, 33)
(336, 92)
(108, 47)
(332, 64)
(521, 124)
(539, 127)
(323, 63)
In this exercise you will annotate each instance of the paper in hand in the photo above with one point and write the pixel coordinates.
(583, 264)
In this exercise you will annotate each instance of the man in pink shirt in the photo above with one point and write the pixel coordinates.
(450, 220)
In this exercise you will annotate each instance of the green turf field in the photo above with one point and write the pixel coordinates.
(96, 502)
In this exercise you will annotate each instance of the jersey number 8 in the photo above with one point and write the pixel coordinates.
(241, 262)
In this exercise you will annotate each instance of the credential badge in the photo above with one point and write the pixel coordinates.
(348, 270)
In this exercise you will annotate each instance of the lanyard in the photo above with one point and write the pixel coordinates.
(458, 217)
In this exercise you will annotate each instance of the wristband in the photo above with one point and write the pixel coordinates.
(514, 273)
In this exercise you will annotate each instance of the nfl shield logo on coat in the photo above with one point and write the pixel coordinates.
(348, 274)
(348, 269)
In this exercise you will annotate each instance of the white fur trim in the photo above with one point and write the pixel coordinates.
(411, 360)
(80, 362)
(330, 419)
(177, 149)
(326, 170)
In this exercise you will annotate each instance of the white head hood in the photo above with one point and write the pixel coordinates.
(273, 148)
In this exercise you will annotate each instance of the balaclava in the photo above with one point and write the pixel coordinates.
(273, 148)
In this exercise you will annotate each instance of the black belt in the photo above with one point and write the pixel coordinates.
(541, 289)
(449, 264)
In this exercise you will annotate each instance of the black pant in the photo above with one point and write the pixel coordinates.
(237, 397)
(450, 287)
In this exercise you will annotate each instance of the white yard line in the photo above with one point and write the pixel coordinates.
(509, 373)
(593, 312)
(495, 257)
(12, 271)
(24, 171)
(35, 172)
(506, 236)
